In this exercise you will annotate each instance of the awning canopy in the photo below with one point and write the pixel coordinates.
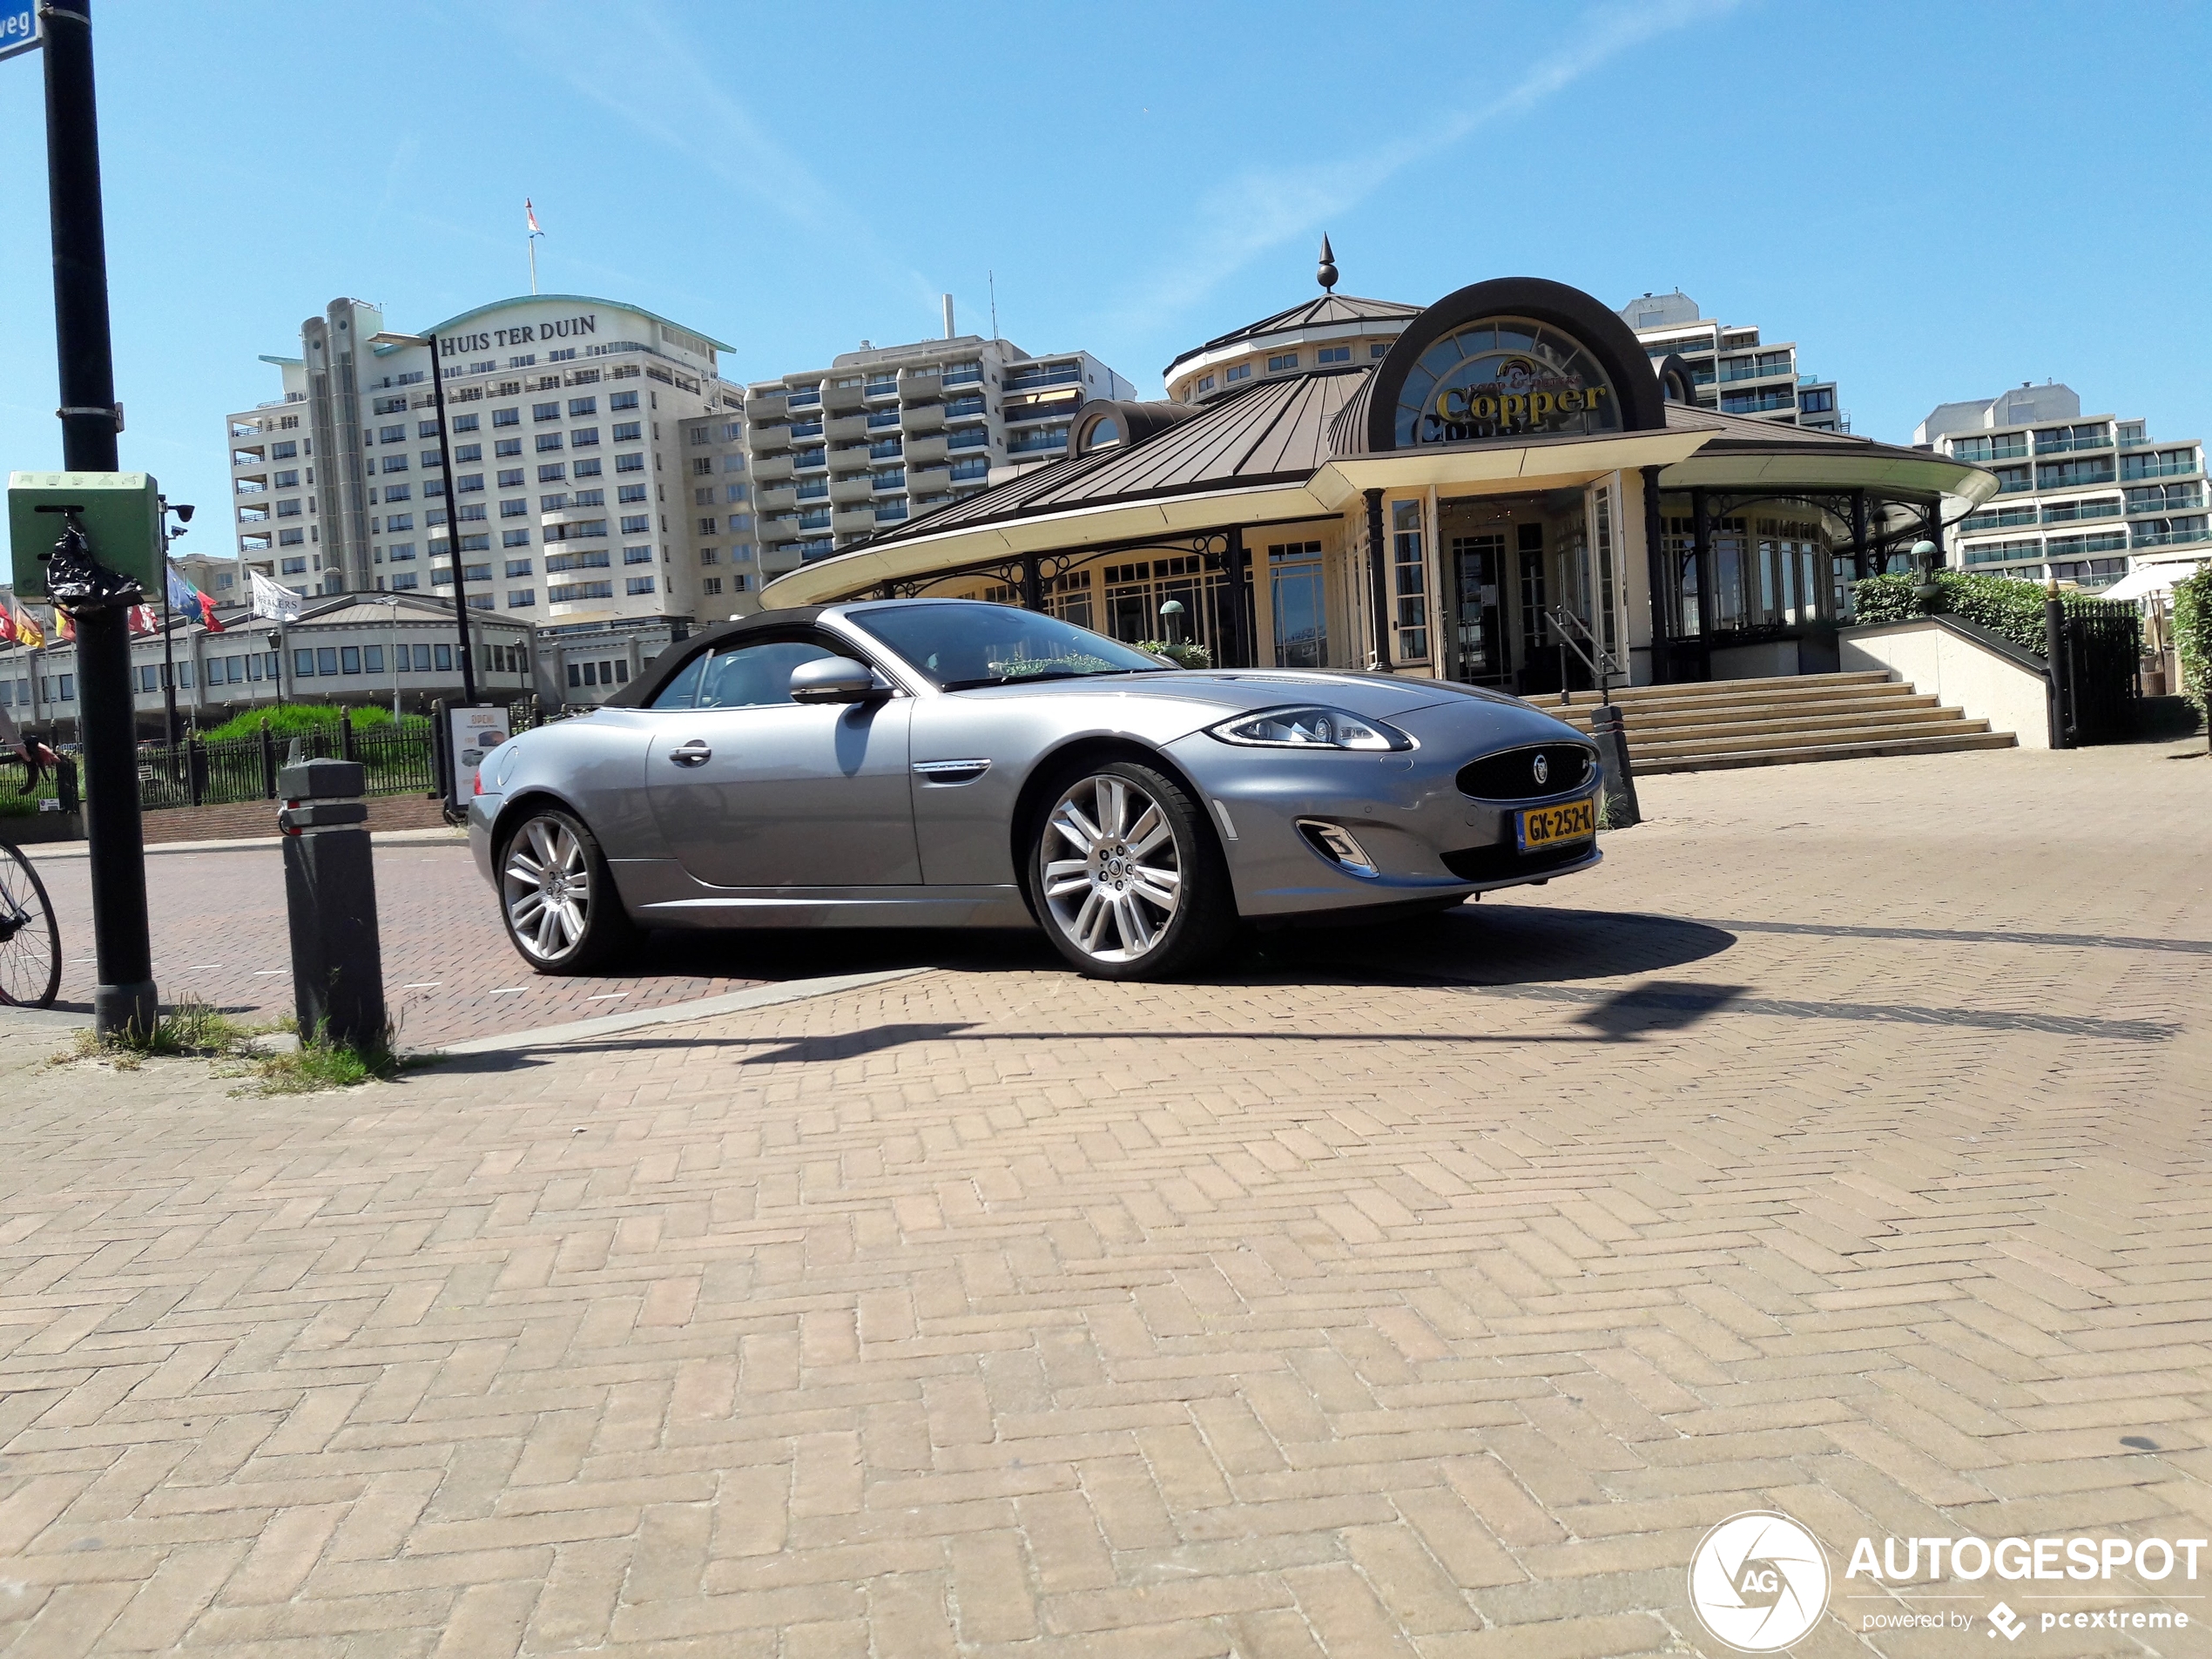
(2147, 579)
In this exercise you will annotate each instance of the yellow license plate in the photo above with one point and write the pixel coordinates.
(1540, 826)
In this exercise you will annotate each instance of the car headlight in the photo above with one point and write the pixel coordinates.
(1311, 725)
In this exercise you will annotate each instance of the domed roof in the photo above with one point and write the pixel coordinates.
(1319, 311)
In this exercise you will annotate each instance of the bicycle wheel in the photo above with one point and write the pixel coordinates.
(31, 940)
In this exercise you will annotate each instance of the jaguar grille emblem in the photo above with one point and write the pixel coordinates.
(1542, 769)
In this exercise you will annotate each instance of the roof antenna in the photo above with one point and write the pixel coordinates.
(1326, 276)
(992, 277)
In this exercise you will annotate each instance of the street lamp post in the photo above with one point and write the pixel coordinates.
(168, 649)
(392, 604)
(453, 508)
(276, 649)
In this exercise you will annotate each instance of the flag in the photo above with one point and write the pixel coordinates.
(208, 615)
(273, 600)
(530, 214)
(64, 624)
(182, 594)
(143, 621)
(28, 632)
(7, 626)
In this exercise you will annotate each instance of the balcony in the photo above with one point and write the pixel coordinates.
(969, 437)
(813, 490)
(1976, 455)
(1028, 378)
(919, 418)
(855, 521)
(1061, 409)
(2172, 466)
(852, 487)
(771, 470)
(814, 518)
(890, 512)
(844, 428)
(2066, 441)
(782, 499)
(968, 376)
(804, 397)
(921, 452)
(2185, 537)
(801, 430)
(885, 387)
(882, 418)
(842, 396)
(2073, 475)
(1038, 443)
(888, 481)
(250, 487)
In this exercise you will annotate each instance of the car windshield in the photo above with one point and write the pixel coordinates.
(964, 645)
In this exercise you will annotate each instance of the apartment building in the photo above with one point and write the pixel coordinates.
(886, 434)
(573, 422)
(1734, 369)
(2081, 498)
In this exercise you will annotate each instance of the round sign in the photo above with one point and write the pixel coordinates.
(1758, 1581)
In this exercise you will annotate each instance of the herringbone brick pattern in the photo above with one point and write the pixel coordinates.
(1409, 1294)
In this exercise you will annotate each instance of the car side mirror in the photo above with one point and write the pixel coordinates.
(836, 679)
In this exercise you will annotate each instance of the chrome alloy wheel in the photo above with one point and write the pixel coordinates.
(1117, 896)
(548, 883)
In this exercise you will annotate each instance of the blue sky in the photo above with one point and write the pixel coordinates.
(1934, 200)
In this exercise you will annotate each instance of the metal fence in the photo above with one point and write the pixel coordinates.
(2102, 647)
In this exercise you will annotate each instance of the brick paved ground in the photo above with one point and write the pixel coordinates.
(450, 973)
(1838, 1148)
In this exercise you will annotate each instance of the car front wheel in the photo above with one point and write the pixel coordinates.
(1128, 882)
(558, 900)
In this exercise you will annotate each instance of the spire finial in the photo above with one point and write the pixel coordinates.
(1327, 274)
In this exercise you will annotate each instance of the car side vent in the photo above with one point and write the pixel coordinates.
(1527, 774)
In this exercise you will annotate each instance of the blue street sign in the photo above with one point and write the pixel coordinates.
(18, 28)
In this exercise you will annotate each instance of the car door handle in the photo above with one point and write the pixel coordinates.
(694, 753)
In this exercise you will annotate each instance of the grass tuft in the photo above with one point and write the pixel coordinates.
(199, 1030)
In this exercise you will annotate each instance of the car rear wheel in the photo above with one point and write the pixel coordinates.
(1128, 879)
(560, 904)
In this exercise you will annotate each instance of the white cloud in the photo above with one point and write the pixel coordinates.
(1263, 208)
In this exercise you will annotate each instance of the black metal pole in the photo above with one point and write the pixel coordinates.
(1657, 567)
(1242, 630)
(168, 650)
(124, 998)
(453, 531)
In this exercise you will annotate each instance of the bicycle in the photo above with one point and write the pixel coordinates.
(31, 938)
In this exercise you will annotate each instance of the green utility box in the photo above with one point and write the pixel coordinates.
(121, 515)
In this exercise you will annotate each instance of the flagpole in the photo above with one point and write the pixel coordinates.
(168, 650)
(532, 241)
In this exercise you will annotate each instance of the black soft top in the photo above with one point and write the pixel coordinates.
(766, 624)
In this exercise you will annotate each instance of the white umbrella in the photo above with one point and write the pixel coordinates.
(2147, 579)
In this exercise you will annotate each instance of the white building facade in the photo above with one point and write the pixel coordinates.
(575, 424)
(1732, 369)
(2081, 498)
(886, 434)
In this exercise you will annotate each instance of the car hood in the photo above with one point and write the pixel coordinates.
(1228, 690)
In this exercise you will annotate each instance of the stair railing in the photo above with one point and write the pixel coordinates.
(1602, 663)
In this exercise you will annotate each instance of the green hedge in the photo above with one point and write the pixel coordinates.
(1182, 653)
(297, 719)
(2009, 609)
(2193, 633)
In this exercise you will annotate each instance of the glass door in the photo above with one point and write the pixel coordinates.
(1478, 639)
(1301, 606)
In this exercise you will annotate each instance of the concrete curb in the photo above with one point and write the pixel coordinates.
(382, 838)
(761, 996)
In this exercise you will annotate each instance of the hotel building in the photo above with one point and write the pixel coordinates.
(583, 434)
(2080, 498)
(1730, 368)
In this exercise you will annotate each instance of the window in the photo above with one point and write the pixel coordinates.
(1378, 350)
(589, 498)
(1287, 361)
(394, 463)
(746, 676)
(393, 434)
(637, 584)
(551, 503)
(711, 586)
(517, 568)
(637, 524)
(545, 411)
(349, 657)
(287, 450)
(515, 508)
(586, 467)
(630, 492)
(708, 555)
(303, 662)
(1333, 354)
(507, 449)
(629, 431)
(702, 465)
(400, 552)
(1206, 385)
(567, 593)
(1241, 372)
(584, 405)
(287, 480)
(584, 437)
(642, 555)
(463, 453)
(703, 497)
(622, 400)
(396, 492)
(515, 538)
(327, 660)
(629, 463)
(552, 474)
(290, 538)
(708, 526)
(469, 481)
(520, 598)
(1410, 571)
(461, 423)
(400, 522)
(1819, 401)
(738, 492)
(548, 441)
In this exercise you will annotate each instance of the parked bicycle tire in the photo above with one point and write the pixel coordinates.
(31, 939)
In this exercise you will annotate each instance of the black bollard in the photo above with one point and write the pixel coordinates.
(1612, 739)
(330, 899)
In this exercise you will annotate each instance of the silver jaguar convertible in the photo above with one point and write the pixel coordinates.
(947, 763)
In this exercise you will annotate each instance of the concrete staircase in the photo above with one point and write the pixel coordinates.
(1717, 725)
